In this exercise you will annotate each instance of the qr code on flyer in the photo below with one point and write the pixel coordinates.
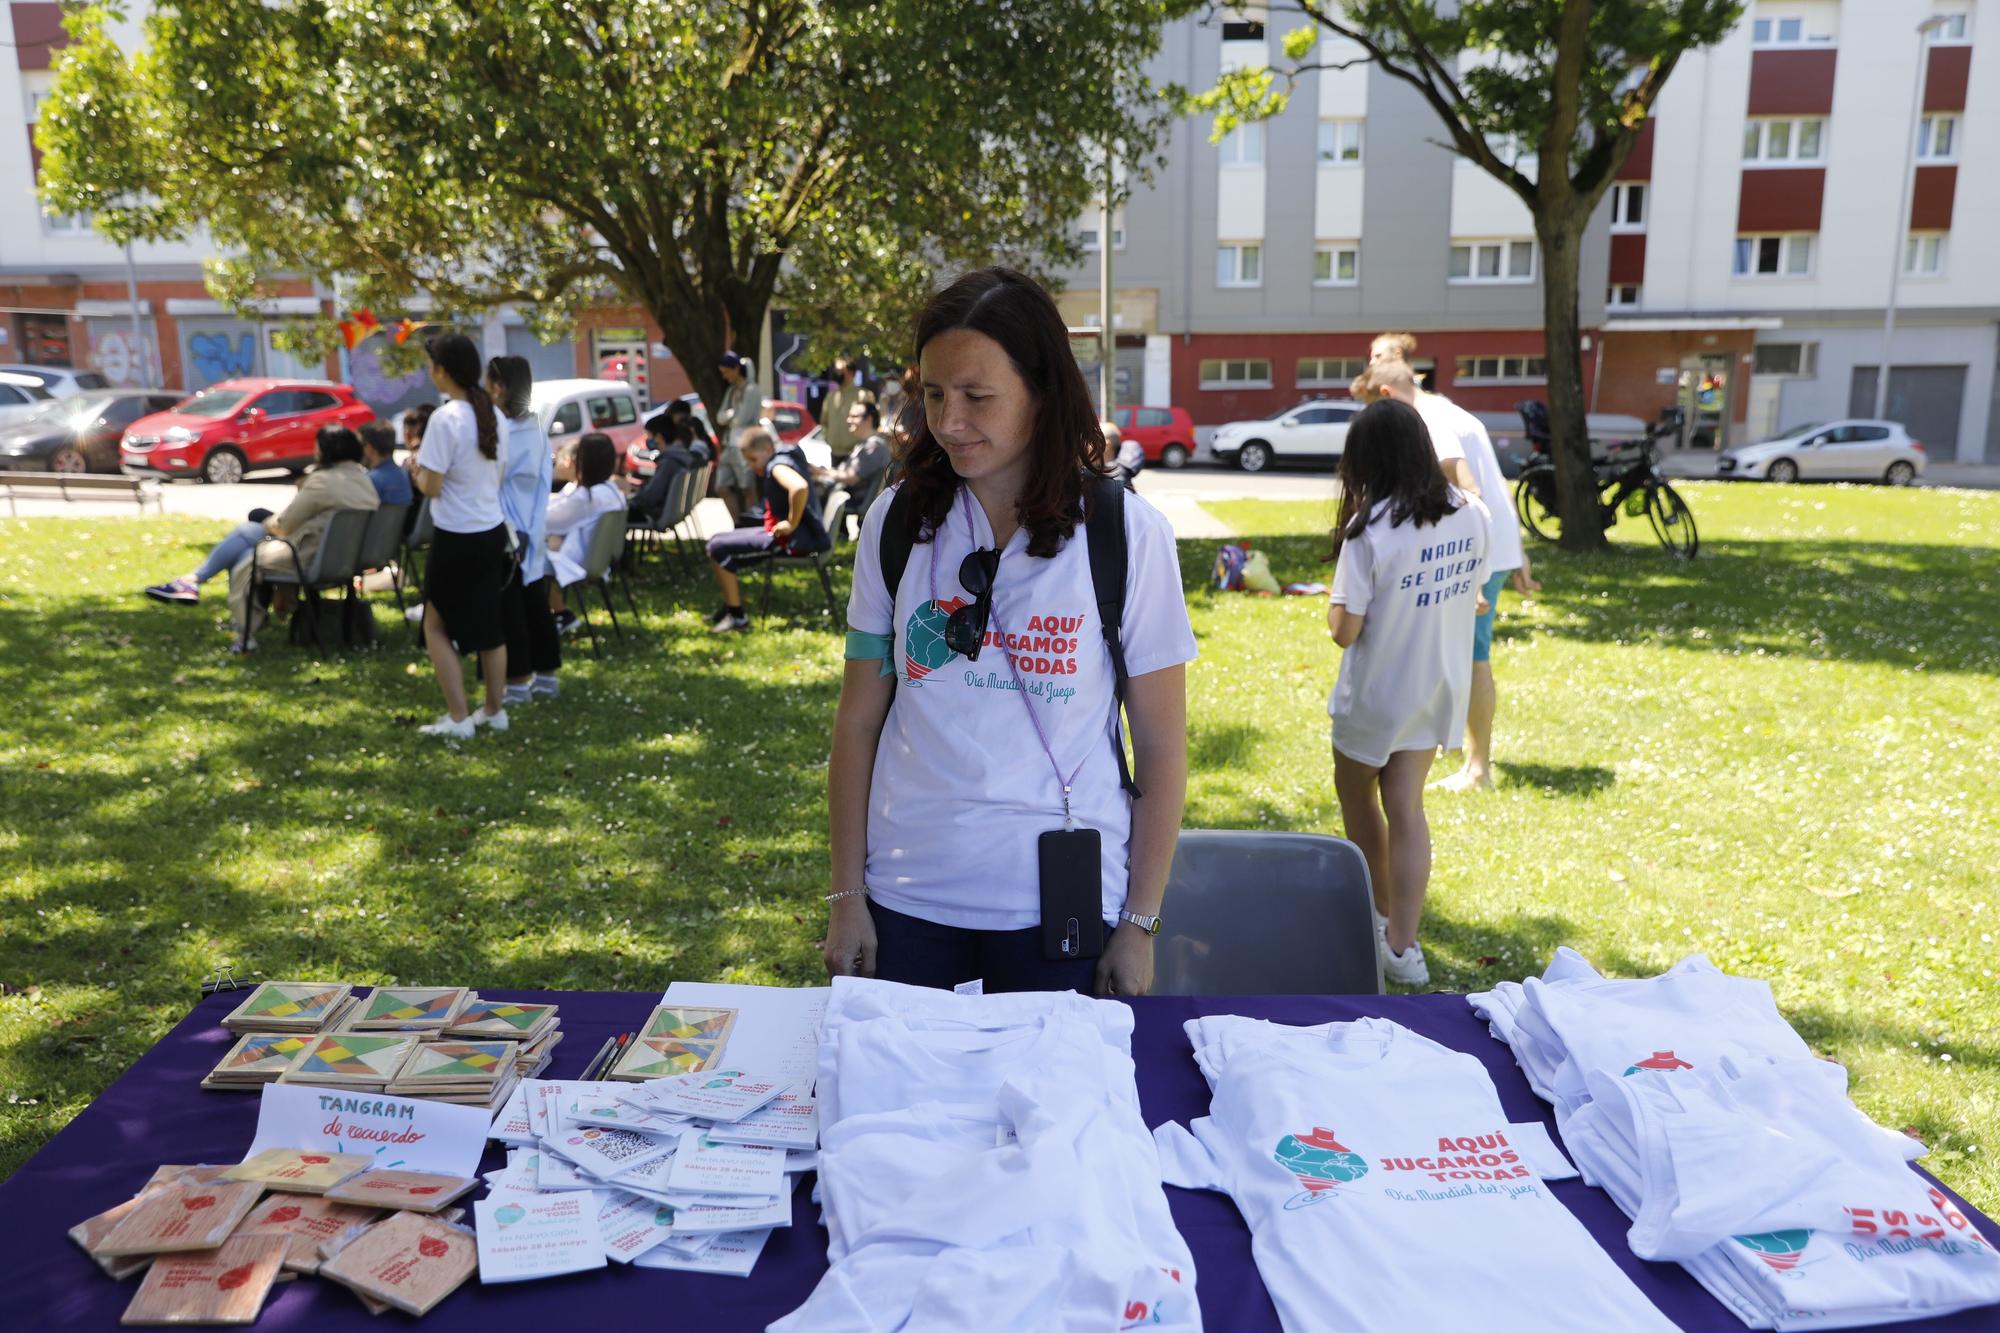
(614, 1145)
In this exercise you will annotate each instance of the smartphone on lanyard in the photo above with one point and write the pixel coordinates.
(1072, 894)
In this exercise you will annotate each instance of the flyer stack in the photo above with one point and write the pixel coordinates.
(691, 1171)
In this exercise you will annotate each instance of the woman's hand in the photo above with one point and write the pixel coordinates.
(782, 529)
(1126, 965)
(849, 946)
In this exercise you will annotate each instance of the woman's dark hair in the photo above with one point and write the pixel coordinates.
(596, 459)
(1012, 309)
(376, 435)
(516, 381)
(454, 354)
(1388, 459)
(419, 417)
(337, 444)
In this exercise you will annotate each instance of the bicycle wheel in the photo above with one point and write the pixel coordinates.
(1672, 520)
(1535, 502)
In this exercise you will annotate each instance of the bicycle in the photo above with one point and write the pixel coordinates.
(1635, 486)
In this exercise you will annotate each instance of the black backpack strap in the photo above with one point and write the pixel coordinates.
(1104, 530)
(897, 538)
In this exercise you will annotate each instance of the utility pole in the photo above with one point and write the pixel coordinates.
(139, 348)
(1924, 31)
(1107, 339)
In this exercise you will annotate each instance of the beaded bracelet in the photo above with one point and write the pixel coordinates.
(847, 893)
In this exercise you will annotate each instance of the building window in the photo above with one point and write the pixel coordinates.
(1243, 146)
(1937, 139)
(1622, 296)
(1785, 32)
(1493, 261)
(1328, 372)
(1774, 256)
(1088, 236)
(1628, 206)
(1236, 374)
(1783, 140)
(1337, 264)
(1956, 30)
(1794, 359)
(1923, 254)
(1339, 142)
(1500, 370)
(1239, 265)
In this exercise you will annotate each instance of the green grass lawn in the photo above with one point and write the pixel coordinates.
(1779, 755)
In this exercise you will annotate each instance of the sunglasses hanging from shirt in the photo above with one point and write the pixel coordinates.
(1072, 858)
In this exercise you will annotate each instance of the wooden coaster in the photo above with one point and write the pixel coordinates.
(223, 1285)
(410, 1261)
(414, 1191)
(298, 1170)
(181, 1217)
(305, 1221)
(289, 1006)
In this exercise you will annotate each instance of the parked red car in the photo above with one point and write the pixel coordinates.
(1165, 433)
(240, 426)
(791, 420)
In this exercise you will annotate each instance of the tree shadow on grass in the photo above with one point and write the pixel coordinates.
(1900, 604)
(1580, 780)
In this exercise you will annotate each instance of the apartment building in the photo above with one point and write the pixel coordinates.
(1739, 269)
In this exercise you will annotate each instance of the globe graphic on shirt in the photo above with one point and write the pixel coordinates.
(1663, 1060)
(1319, 1160)
(1780, 1249)
(924, 647)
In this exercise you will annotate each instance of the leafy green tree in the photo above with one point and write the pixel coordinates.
(1550, 106)
(697, 158)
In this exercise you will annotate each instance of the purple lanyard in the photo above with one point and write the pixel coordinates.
(1020, 686)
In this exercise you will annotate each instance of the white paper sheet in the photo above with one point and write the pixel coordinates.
(521, 1237)
(777, 1027)
(732, 1255)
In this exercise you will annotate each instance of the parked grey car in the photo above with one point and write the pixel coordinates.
(1852, 449)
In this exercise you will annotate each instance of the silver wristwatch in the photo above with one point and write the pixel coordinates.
(1149, 924)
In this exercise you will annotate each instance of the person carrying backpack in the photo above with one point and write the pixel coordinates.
(1006, 593)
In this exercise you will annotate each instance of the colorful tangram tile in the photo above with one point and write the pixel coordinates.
(522, 1016)
(458, 1060)
(351, 1055)
(276, 1002)
(401, 1007)
(259, 1049)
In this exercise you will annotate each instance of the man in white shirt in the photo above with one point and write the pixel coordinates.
(1459, 437)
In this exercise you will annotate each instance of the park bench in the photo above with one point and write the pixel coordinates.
(80, 486)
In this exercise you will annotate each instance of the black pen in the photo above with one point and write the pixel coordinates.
(596, 1061)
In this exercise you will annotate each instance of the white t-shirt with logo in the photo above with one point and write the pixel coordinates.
(1454, 427)
(1384, 1189)
(470, 498)
(962, 790)
(1404, 683)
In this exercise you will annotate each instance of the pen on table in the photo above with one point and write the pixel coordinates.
(618, 1053)
(590, 1070)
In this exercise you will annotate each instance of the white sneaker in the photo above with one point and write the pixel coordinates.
(413, 614)
(497, 721)
(461, 730)
(1406, 967)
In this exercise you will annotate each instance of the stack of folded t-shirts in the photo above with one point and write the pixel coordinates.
(1690, 1100)
(983, 1164)
(1385, 1188)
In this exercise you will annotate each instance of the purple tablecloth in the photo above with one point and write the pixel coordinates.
(156, 1113)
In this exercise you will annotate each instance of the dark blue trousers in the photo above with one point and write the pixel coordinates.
(922, 953)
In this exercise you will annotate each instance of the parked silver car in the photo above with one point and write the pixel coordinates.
(58, 381)
(1852, 449)
(21, 396)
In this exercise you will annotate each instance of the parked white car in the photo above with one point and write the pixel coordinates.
(58, 381)
(1854, 449)
(21, 396)
(1310, 432)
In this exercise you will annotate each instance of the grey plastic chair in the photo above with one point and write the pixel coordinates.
(381, 543)
(333, 565)
(600, 560)
(1253, 913)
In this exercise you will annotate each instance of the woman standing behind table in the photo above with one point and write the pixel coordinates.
(573, 516)
(459, 466)
(1412, 553)
(534, 649)
(955, 759)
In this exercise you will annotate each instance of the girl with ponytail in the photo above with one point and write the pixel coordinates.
(459, 467)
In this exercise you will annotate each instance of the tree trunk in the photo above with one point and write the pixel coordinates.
(699, 345)
(1576, 486)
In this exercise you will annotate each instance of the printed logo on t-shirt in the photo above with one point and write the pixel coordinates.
(1658, 1060)
(1320, 1162)
(1780, 1250)
(1443, 581)
(924, 648)
(1046, 648)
